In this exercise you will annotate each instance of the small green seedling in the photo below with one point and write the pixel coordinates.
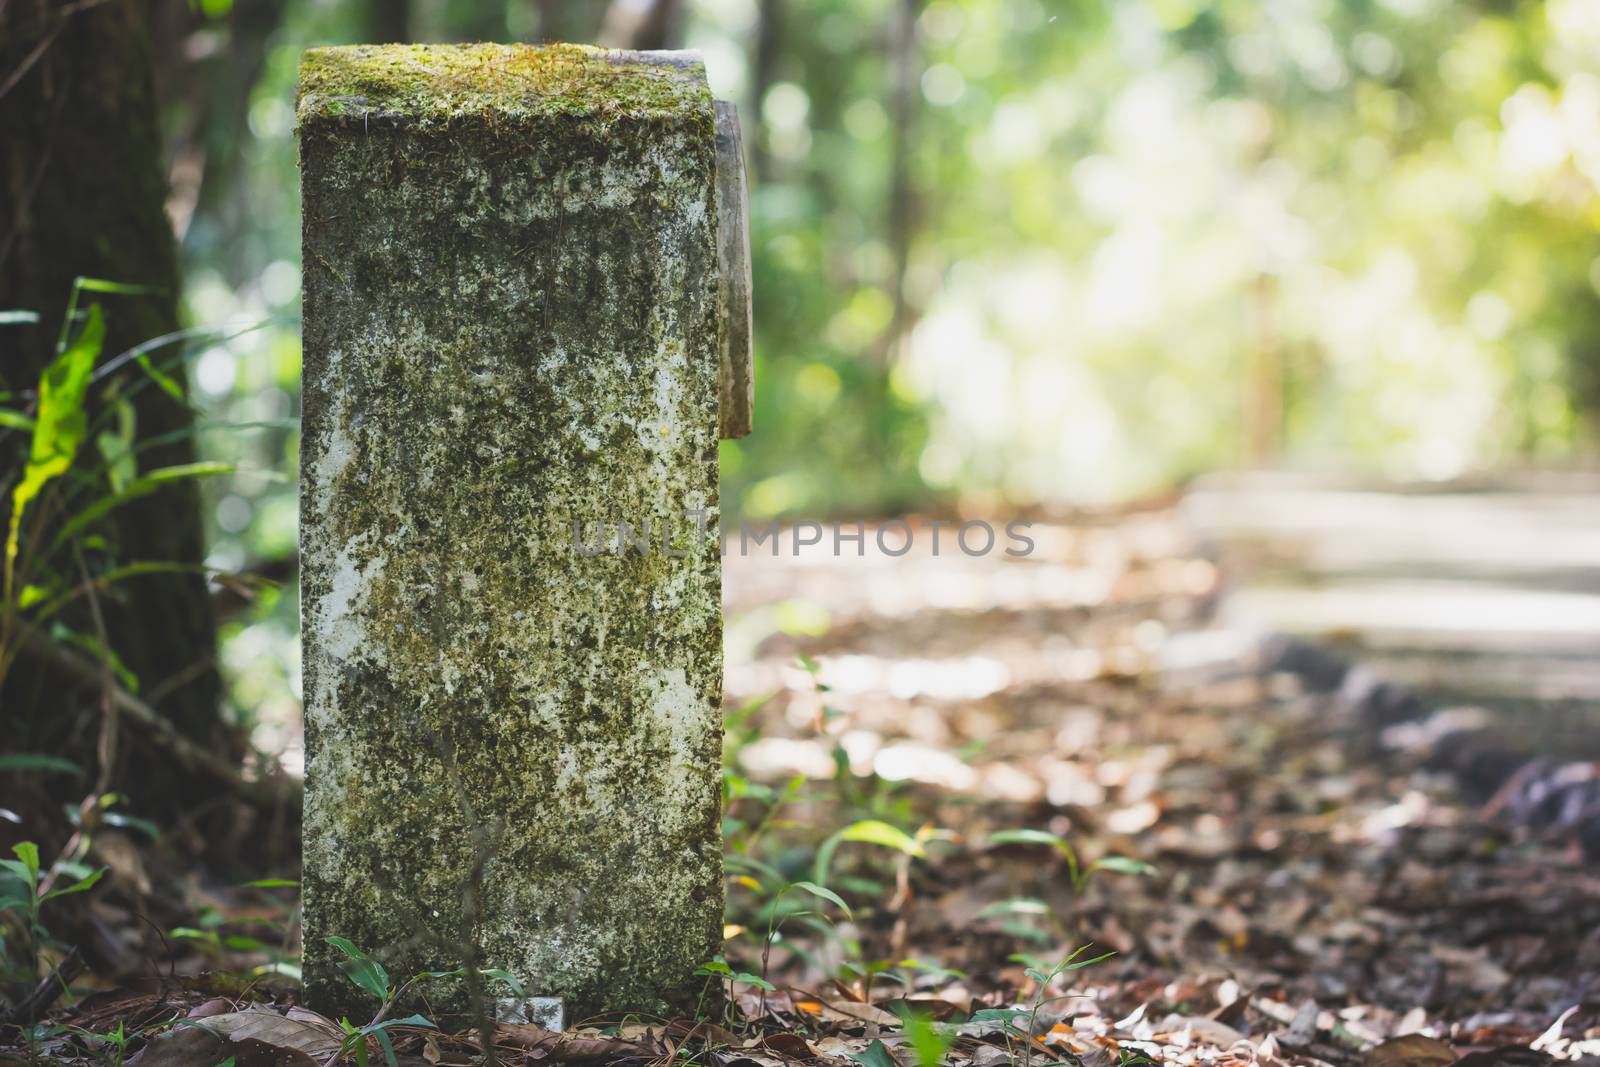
(1078, 874)
(371, 977)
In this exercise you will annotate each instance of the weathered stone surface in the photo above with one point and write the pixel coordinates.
(511, 326)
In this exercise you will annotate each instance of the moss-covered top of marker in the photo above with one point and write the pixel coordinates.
(430, 83)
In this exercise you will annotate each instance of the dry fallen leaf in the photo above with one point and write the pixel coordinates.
(258, 1034)
(1412, 1050)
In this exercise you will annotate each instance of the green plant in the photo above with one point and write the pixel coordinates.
(1078, 874)
(371, 977)
(57, 499)
(1043, 975)
(929, 1043)
(24, 890)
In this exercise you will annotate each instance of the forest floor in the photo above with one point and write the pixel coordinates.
(997, 770)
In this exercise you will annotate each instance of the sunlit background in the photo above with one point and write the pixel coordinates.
(1012, 252)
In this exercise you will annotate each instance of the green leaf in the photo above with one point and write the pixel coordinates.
(826, 894)
(100, 652)
(167, 384)
(867, 831)
(43, 762)
(1122, 865)
(1027, 837)
(927, 1044)
(747, 978)
(142, 486)
(59, 427)
(875, 1055)
(28, 853)
(716, 966)
(15, 420)
(875, 832)
(409, 1020)
(387, 1045)
(362, 969)
(1017, 906)
(76, 887)
(270, 883)
(507, 977)
(1078, 965)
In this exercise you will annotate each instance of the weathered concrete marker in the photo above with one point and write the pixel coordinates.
(512, 327)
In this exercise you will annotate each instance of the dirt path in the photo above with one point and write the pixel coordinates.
(1320, 878)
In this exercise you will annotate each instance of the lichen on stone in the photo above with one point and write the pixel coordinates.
(511, 326)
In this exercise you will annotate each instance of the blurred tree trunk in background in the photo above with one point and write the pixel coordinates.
(81, 193)
(646, 26)
(769, 47)
(901, 208)
(388, 21)
(206, 79)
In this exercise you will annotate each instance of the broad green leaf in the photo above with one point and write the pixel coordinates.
(59, 427)
(747, 978)
(28, 853)
(17, 869)
(875, 1055)
(363, 970)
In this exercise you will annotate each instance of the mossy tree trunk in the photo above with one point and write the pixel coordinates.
(81, 193)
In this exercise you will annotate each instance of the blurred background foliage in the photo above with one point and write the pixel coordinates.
(1011, 252)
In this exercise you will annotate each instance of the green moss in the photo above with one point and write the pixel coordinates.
(424, 83)
(510, 325)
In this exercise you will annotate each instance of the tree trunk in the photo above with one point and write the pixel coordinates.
(645, 29)
(769, 46)
(902, 190)
(388, 21)
(81, 193)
